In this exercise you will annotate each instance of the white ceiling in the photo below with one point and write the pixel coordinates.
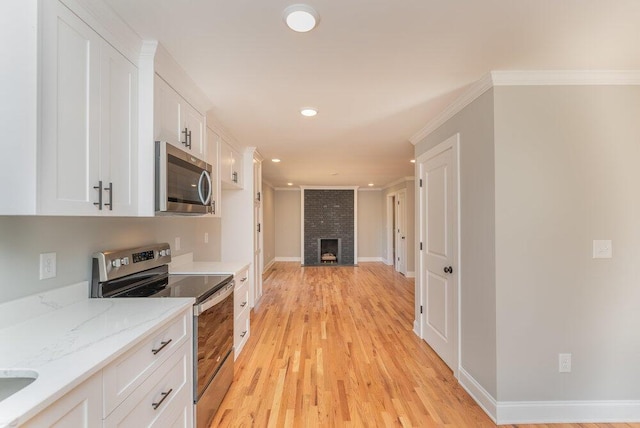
(377, 70)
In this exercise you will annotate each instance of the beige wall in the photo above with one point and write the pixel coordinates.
(287, 221)
(269, 223)
(477, 236)
(370, 224)
(567, 173)
(75, 239)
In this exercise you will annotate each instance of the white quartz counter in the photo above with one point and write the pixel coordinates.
(67, 344)
(184, 265)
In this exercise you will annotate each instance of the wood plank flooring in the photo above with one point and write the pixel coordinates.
(334, 347)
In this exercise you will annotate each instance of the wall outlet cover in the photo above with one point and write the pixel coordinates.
(47, 265)
(564, 363)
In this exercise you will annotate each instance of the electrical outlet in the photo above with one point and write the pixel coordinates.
(206, 237)
(177, 246)
(564, 363)
(602, 249)
(47, 265)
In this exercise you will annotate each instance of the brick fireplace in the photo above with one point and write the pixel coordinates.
(329, 222)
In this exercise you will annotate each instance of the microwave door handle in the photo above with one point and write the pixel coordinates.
(200, 188)
(214, 300)
(208, 177)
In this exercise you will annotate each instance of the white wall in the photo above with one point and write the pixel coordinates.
(75, 239)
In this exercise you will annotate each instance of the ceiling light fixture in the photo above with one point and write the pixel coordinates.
(309, 111)
(412, 161)
(289, 184)
(275, 160)
(301, 17)
(370, 184)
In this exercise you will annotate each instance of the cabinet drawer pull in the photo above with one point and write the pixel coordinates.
(164, 397)
(243, 304)
(110, 190)
(243, 334)
(99, 189)
(162, 346)
(243, 279)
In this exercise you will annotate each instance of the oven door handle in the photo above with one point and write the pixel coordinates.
(214, 299)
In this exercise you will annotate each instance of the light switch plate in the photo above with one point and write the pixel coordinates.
(602, 249)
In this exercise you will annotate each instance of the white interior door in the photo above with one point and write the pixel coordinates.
(401, 233)
(439, 257)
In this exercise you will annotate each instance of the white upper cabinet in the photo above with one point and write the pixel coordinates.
(213, 156)
(176, 121)
(89, 120)
(230, 167)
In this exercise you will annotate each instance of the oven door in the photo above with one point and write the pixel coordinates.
(183, 182)
(213, 373)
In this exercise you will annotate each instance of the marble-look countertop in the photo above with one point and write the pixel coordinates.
(66, 342)
(184, 265)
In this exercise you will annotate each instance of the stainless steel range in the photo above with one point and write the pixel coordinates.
(143, 272)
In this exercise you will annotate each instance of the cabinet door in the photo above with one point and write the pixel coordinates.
(237, 175)
(212, 157)
(167, 113)
(119, 131)
(193, 122)
(226, 162)
(79, 408)
(69, 143)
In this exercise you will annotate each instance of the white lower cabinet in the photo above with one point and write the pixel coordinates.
(151, 385)
(164, 398)
(241, 325)
(81, 407)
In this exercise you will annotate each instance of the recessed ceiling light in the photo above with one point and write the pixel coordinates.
(412, 161)
(289, 184)
(301, 17)
(275, 160)
(370, 184)
(309, 111)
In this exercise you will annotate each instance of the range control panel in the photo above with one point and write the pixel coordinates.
(118, 263)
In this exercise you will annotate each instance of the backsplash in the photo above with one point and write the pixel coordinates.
(75, 239)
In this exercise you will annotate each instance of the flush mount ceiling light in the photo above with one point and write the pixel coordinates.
(289, 184)
(275, 160)
(309, 111)
(370, 184)
(301, 17)
(412, 161)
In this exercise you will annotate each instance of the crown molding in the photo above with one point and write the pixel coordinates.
(527, 78)
(399, 181)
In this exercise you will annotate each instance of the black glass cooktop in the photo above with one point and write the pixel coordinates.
(198, 286)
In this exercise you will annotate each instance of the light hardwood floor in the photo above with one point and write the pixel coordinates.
(333, 347)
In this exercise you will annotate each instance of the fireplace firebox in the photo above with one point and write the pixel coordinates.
(329, 250)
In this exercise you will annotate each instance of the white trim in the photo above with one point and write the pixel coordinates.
(416, 327)
(287, 259)
(545, 412)
(399, 181)
(475, 90)
(285, 189)
(527, 78)
(371, 259)
(388, 262)
(370, 189)
(330, 187)
(145, 168)
(268, 265)
(478, 393)
(565, 77)
(410, 274)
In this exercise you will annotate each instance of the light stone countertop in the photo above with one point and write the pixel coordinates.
(184, 265)
(67, 340)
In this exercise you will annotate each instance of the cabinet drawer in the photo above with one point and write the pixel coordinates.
(163, 399)
(126, 373)
(241, 300)
(241, 332)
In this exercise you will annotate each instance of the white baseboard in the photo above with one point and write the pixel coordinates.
(371, 259)
(478, 393)
(549, 412)
(287, 259)
(410, 274)
(268, 265)
(416, 327)
(545, 412)
(388, 262)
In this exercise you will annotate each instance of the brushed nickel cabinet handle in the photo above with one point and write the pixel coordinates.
(164, 397)
(162, 346)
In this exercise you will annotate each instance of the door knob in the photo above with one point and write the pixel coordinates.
(448, 269)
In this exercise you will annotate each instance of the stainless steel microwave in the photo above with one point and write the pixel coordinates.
(183, 182)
